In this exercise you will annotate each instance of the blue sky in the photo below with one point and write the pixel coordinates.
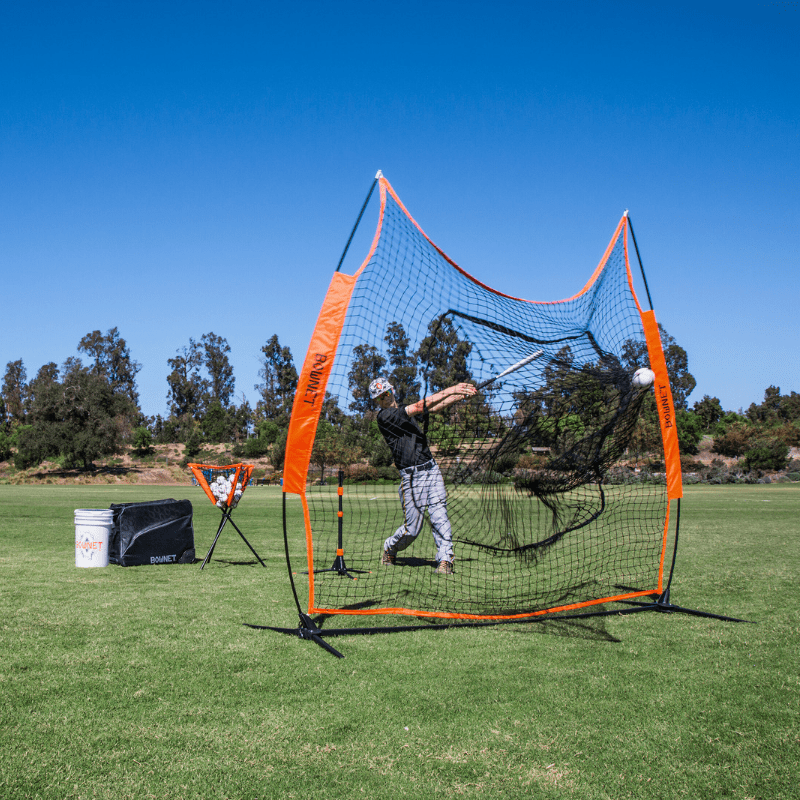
(176, 168)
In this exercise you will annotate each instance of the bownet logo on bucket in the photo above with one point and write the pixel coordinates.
(87, 546)
(92, 533)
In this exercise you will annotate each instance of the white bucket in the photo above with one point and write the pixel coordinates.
(92, 533)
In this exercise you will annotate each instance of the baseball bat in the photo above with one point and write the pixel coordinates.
(512, 368)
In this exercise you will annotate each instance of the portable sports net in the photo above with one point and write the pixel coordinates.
(537, 524)
(224, 486)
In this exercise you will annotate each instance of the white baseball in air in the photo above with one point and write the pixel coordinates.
(643, 378)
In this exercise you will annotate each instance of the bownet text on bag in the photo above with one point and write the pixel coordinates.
(152, 532)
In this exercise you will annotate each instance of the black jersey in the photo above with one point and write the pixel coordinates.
(408, 443)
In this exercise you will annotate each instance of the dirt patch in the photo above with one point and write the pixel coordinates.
(162, 467)
(705, 455)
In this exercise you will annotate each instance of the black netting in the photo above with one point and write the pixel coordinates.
(535, 522)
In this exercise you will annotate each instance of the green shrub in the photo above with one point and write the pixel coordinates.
(464, 476)
(505, 462)
(724, 478)
(770, 454)
(531, 461)
(278, 452)
(260, 445)
(366, 473)
(193, 446)
(789, 433)
(734, 442)
(722, 425)
(621, 476)
(142, 440)
(688, 464)
(32, 449)
(5, 446)
(253, 448)
(690, 431)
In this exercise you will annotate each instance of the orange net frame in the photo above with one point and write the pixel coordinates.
(224, 485)
(546, 508)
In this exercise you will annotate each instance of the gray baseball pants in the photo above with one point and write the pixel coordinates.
(420, 490)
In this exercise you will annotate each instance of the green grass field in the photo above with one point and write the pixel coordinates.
(147, 682)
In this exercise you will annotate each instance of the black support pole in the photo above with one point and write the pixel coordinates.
(639, 258)
(355, 227)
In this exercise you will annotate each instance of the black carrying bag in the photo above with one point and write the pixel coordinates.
(156, 532)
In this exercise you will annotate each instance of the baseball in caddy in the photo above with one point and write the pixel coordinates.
(643, 378)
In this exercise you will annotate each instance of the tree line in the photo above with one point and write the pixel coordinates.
(82, 411)
(79, 412)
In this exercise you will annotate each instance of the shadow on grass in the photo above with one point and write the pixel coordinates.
(228, 563)
(593, 628)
